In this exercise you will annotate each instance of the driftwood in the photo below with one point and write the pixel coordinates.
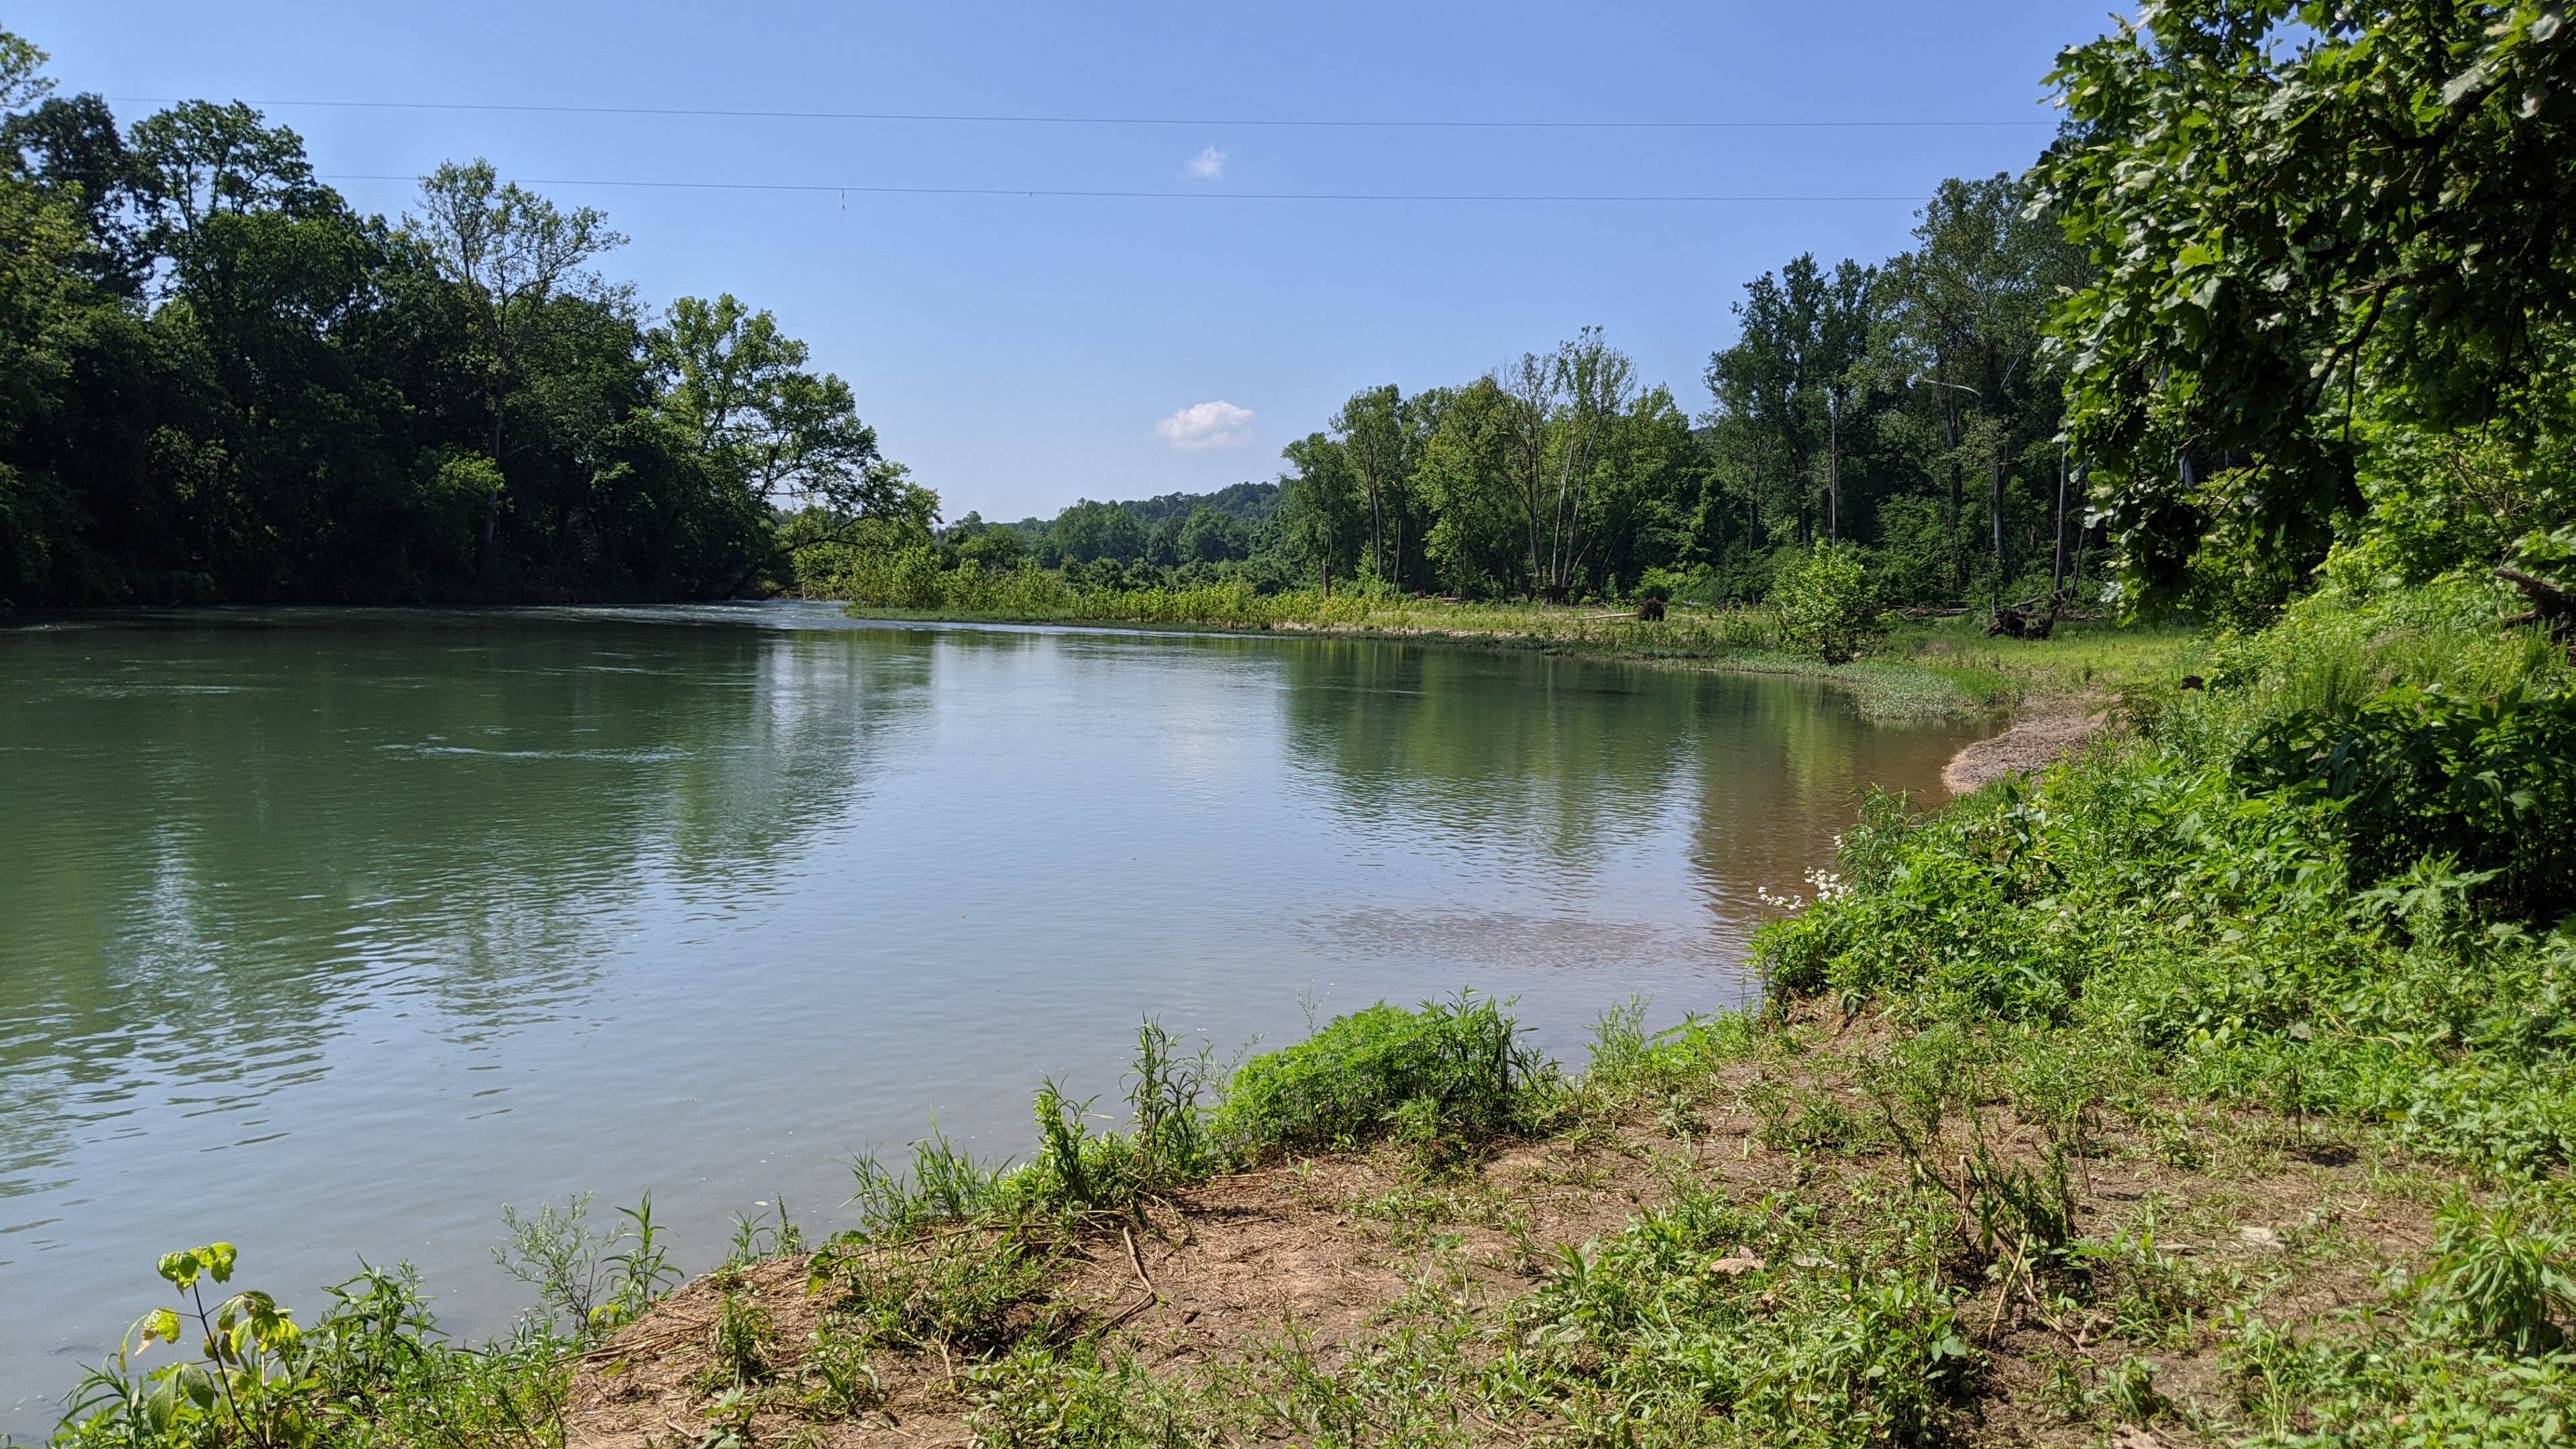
(2029, 619)
(1926, 611)
(2551, 603)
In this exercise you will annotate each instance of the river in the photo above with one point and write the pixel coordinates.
(328, 932)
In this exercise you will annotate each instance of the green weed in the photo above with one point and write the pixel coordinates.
(1447, 1073)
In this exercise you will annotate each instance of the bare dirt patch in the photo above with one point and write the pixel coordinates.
(2048, 732)
(2274, 1214)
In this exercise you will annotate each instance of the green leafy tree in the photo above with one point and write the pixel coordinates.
(1376, 445)
(1827, 606)
(1209, 536)
(511, 252)
(1787, 384)
(1322, 508)
(1561, 406)
(2301, 213)
(1089, 531)
(1967, 312)
(1477, 544)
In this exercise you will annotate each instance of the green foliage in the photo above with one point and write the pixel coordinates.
(1078, 1170)
(839, 1379)
(1084, 1396)
(1694, 1310)
(2293, 206)
(2416, 772)
(2480, 1360)
(1446, 1074)
(956, 1290)
(2499, 1279)
(307, 403)
(1827, 605)
(372, 1369)
(759, 1237)
(2217, 937)
(739, 1345)
(946, 1185)
(589, 1280)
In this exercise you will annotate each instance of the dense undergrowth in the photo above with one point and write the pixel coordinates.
(2300, 915)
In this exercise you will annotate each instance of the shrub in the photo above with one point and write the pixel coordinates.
(2419, 771)
(1078, 1170)
(1450, 1071)
(927, 1293)
(1827, 605)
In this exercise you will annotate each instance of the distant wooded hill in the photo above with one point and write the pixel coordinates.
(1247, 502)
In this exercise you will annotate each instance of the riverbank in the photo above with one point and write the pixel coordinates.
(2045, 732)
(1920, 669)
(2125, 1106)
(1713, 1242)
(2146, 1102)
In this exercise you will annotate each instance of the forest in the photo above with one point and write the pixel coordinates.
(218, 383)
(1909, 411)
(2096, 378)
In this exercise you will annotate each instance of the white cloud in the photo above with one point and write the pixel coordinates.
(1202, 426)
(1208, 165)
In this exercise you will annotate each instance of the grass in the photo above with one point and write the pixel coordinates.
(1920, 669)
(2127, 1098)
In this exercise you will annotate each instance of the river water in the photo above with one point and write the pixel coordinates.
(328, 932)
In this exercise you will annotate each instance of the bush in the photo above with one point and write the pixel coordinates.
(1450, 1072)
(1827, 605)
(2419, 771)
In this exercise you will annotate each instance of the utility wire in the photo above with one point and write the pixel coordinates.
(1307, 123)
(829, 188)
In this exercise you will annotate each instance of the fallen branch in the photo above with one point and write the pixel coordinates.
(2551, 602)
(1138, 1259)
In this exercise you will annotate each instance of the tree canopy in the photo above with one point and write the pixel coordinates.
(219, 382)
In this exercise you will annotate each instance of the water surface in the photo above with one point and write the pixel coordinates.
(328, 932)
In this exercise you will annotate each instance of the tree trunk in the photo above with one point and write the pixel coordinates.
(1834, 466)
(2057, 565)
(1995, 515)
(1377, 528)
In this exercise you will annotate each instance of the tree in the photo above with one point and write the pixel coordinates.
(1789, 379)
(511, 251)
(1477, 542)
(1090, 531)
(1373, 437)
(73, 148)
(1645, 491)
(2300, 211)
(197, 161)
(1560, 405)
(1320, 504)
(1208, 536)
(1968, 309)
(735, 387)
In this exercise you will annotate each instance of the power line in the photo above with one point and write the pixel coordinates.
(1305, 123)
(828, 188)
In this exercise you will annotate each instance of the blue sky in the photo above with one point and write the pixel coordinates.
(1021, 351)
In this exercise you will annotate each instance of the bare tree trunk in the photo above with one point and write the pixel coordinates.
(2057, 566)
(492, 503)
(1995, 515)
(1377, 531)
(1834, 466)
